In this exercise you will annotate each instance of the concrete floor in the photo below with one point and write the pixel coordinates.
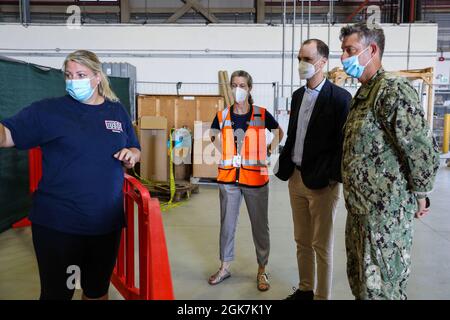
(192, 232)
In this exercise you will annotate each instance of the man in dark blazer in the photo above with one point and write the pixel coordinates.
(311, 161)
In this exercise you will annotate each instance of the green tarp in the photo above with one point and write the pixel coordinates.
(20, 85)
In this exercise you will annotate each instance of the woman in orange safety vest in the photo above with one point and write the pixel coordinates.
(239, 132)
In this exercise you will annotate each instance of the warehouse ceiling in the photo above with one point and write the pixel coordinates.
(230, 11)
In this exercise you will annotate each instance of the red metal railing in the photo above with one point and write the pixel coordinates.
(34, 176)
(155, 281)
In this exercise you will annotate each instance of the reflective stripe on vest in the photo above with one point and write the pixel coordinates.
(247, 163)
(224, 122)
(254, 163)
(225, 163)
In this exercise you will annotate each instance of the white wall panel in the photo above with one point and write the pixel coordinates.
(194, 53)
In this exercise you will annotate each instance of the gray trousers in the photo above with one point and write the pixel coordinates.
(257, 201)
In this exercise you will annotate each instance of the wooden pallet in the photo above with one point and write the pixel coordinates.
(183, 191)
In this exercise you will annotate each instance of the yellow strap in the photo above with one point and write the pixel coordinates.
(170, 204)
(171, 175)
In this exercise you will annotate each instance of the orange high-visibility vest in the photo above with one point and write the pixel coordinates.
(253, 170)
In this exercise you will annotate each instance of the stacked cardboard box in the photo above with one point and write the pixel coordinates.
(153, 140)
(206, 157)
(179, 112)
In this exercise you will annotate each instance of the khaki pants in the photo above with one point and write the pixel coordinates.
(313, 212)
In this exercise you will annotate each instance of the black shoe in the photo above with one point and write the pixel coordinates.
(301, 295)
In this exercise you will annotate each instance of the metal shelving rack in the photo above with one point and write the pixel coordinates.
(441, 107)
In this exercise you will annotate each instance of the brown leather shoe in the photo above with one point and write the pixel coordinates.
(219, 276)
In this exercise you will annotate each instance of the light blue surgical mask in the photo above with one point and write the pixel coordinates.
(80, 89)
(352, 66)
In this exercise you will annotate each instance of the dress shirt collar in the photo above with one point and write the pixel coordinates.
(316, 89)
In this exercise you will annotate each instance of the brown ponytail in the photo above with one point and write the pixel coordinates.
(250, 99)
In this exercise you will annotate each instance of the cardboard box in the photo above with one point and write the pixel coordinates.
(205, 171)
(205, 158)
(180, 111)
(151, 122)
(182, 172)
(153, 139)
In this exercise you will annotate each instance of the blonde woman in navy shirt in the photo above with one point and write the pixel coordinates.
(77, 216)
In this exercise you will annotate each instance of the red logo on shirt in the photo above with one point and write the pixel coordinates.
(114, 126)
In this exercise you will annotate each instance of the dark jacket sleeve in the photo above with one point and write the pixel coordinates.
(343, 99)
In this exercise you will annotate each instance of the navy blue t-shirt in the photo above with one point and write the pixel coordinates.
(81, 187)
(239, 121)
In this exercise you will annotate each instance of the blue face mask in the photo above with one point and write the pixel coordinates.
(352, 66)
(80, 90)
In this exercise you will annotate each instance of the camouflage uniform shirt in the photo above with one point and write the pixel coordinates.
(389, 160)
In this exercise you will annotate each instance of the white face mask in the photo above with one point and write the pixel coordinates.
(239, 95)
(306, 70)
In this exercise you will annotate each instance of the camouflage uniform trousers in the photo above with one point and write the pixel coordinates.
(378, 248)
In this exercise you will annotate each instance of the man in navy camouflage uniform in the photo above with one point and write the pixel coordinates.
(389, 164)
